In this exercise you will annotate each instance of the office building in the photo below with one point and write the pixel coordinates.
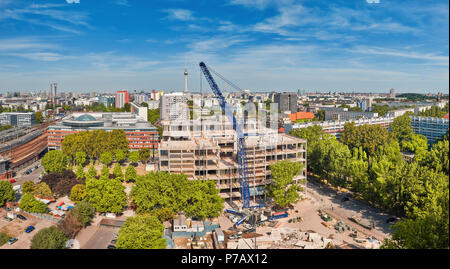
(392, 93)
(432, 128)
(18, 119)
(140, 133)
(348, 115)
(107, 101)
(122, 97)
(287, 101)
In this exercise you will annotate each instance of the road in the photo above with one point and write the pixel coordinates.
(34, 176)
(330, 201)
(101, 238)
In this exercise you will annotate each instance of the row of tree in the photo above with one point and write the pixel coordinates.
(369, 161)
(435, 111)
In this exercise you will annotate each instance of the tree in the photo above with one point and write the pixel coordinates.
(130, 174)
(49, 238)
(118, 172)
(141, 232)
(104, 173)
(84, 212)
(54, 161)
(42, 190)
(283, 189)
(159, 190)
(369, 137)
(437, 158)
(164, 214)
(134, 156)
(27, 186)
(70, 225)
(120, 156)
(61, 184)
(321, 115)
(144, 155)
(106, 158)
(153, 115)
(80, 172)
(7, 193)
(78, 193)
(80, 158)
(92, 173)
(30, 204)
(4, 238)
(401, 128)
(106, 195)
(38, 117)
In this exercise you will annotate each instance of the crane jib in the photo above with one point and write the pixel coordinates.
(241, 147)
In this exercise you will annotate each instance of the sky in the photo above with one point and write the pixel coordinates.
(259, 45)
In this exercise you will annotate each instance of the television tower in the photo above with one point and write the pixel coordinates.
(185, 80)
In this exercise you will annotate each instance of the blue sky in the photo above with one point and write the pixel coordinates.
(107, 45)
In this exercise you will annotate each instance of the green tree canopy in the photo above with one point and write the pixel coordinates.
(55, 161)
(30, 204)
(84, 212)
(42, 190)
(49, 238)
(78, 193)
(144, 155)
(283, 188)
(106, 158)
(28, 186)
(141, 232)
(130, 174)
(159, 190)
(134, 156)
(106, 195)
(80, 158)
(7, 193)
(120, 155)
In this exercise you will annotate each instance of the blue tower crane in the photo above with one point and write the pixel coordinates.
(239, 128)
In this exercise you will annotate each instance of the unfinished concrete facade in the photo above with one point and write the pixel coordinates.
(207, 150)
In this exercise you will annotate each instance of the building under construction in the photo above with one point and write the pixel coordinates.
(207, 149)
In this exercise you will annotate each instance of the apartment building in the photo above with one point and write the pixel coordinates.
(432, 128)
(18, 119)
(287, 101)
(337, 127)
(173, 106)
(206, 149)
(122, 97)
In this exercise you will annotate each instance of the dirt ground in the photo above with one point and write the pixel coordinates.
(16, 228)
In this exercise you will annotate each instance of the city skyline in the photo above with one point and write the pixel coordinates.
(360, 46)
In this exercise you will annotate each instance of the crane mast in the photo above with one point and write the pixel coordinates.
(239, 128)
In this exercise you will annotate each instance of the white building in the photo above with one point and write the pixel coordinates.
(173, 106)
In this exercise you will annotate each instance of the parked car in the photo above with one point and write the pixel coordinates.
(345, 199)
(114, 241)
(21, 217)
(29, 229)
(12, 241)
(111, 247)
(12, 180)
(252, 230)
(8, 219)
(232, 236)
(391, 219)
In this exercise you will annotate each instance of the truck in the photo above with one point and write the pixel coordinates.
(364, 223)
(234, 212)
(279, 215)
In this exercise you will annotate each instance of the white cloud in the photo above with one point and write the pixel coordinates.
(373, 1)
(180, 14)
(73, 1)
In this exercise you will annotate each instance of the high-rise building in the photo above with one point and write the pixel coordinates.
(53, 87)
(173, 106)
(287, 101)
(392, 93)
(122, 97)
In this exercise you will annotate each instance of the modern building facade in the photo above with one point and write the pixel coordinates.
(122, 97)
(432, 128)
(140, 133)
(18, 119)
(107, 101)
(287, 101)
(337, 127)
(173, 106)
(348, 115)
